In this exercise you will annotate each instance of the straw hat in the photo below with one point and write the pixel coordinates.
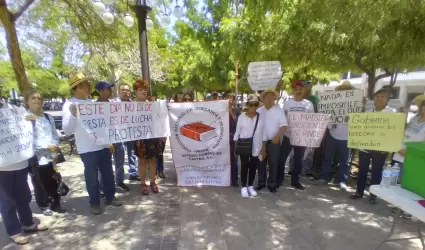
(418, 100)
(252, 98)
(345, 85)
(77, 79)
(269, 91)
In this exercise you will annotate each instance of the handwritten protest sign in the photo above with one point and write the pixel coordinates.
(112, 122)
(16, 136)
(307, 129)
(200, 143)
(264, 75)
(376, 131)
(340, 103)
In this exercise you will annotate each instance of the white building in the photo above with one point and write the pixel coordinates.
(407, 86)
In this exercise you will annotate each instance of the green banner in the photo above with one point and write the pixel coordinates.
(376, 131)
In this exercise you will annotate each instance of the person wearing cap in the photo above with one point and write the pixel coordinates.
(414, 132)
(233, 119)
(250, 125)
(15, 198)
(295, 104)
(275, 125)
(125, 96)
(105, 92)
(94, 157)
(336, 144)
(378, 158)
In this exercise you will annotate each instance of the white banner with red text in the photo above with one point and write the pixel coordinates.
(113, 122)
(200, 143)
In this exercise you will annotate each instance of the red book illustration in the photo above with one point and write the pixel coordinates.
(198, 131)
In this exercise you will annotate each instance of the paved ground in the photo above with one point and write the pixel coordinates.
(320, 218)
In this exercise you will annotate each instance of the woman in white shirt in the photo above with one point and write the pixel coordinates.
(46, 148)
(415, 130)
(250, 125)
(378, 158)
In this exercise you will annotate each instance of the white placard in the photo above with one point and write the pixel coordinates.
(307, 129)
(112, 122)
(16, 136)
(200, 143)
(264, 75)
(340, 103)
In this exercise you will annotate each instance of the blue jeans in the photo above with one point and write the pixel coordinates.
(119, 159)
(100, 160)
(378, 162)
(285, 150)
(339, 147)
(131, 156)
(15, 197)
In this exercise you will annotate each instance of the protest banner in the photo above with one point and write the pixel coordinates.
(376, 131)
(200, 143)
(16, 136)
(340, 103)
(264, 75)
(307, 129)
(112, 122)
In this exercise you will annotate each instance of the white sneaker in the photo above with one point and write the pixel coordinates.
(251, 191)
(342, 186)
(244, 192)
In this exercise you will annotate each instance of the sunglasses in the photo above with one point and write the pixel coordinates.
(186, 99)
(252, 105)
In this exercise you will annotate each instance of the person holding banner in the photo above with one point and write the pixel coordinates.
(378, 158)
(147, 150)
(414, 132)
(336, 143)
(15, 197)
(46, 148)
(94, 157)
(125, 95)
(295, 104)
(105, 92)
(250, 127)
(275, 125)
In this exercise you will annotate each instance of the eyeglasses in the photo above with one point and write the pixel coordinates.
(252, 105)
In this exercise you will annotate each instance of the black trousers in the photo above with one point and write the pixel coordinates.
(248, 169)
(45, 187)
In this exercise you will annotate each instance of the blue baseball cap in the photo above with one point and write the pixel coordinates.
(103, 85)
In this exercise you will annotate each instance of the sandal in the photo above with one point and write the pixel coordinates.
(145, 190)
(34, 228)
(19, 239)
(154, 188)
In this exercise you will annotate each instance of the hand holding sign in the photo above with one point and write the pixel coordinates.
(73, 109)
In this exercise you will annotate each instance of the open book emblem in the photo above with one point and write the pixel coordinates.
(198, 131)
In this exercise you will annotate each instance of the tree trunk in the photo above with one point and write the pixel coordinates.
(371, 82)
(13, 48)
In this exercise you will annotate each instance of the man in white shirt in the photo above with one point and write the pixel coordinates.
(296, 104)
(275, 124)
(95, 157)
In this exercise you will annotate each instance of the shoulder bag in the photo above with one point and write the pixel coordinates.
(244, 145)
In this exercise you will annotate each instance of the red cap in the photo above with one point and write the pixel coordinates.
(297, 83)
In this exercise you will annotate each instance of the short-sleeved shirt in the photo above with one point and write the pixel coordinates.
(274, 119)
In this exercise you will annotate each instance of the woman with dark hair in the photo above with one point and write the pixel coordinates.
(46, 148)
(147, 150)
(187, 97)
(178, 97)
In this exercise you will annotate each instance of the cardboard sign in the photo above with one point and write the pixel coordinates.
(307, 129)
(376, 131)
(340, 103)
(264, 75)
(200, 143)
(112, 122)
(16, 136)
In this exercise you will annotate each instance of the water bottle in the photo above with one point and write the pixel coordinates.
(395, 173)
(386, 176)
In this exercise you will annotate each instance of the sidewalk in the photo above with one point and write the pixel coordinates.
(320, 218)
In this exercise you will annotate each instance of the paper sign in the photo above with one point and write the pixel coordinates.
(16, 136)
(200, 143)
(112, 122)
(307, 129)
(340, 103)
(264, 75)
(376, 131)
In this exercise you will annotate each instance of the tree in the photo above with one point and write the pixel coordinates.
(8, 19)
